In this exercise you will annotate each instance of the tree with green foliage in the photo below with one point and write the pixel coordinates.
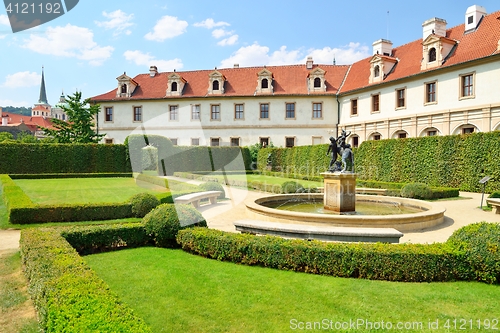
(80, 125)
(26, 137)
(6, 137)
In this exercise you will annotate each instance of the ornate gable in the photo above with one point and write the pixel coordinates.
(380, 67)
(176, 85)
(316, 80)
(216, 83)
(126, 86)
(264, 82)
(435, 51)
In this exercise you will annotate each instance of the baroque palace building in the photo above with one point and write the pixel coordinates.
(446, 83)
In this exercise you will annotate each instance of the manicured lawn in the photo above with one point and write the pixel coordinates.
(83, 190)
(178, 292)
(268, 179)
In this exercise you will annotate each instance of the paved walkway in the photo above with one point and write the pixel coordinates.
(221, 216)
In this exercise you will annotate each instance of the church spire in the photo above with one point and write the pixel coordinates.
(43, 93)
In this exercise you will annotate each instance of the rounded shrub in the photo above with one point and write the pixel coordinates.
(480, 245)
(163, 222)
(416, 191)
(291, 187)
(143, 203)
(213, 186)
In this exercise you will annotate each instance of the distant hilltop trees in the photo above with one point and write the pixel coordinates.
(18, 110)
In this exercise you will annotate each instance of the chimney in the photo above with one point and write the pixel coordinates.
(382, 47)
(5, 120)
(236, 66)
(434, 26)
(309, 63)
(473, 17)
(153, 70)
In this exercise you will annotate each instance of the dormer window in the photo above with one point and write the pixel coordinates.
(216, 83)
(316, 80)
(175, 84)
(264, 82)
(432, 54)
(376, 71)
(126, 86)
(380, 67)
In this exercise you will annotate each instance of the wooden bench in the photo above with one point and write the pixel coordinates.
(323, 233)
(195, 198)
(495, 204)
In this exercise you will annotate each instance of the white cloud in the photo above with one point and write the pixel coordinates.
(9, 102)
(219, 33)
(146, 60)
(209, 23)
(22, 79)
(118, 21)
(228, 41)
(167, 27)
(70, 41)
(4, 20)
(257, 55)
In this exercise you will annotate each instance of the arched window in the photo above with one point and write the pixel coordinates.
(432, 55)
(215, 85)
(174, 86)
(124, 88)
(317, 82)
(376, 71)
(264, 84)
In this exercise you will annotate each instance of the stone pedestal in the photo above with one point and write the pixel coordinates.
(340, 192)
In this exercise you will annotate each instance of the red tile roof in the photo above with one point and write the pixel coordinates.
(287, 80)
(481, 43)
(36, 121)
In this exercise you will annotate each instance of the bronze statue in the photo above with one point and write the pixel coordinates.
(340, 147)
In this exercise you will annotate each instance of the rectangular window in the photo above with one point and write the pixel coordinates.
(290, 142)
(174, 141)
(137, 113)
(290, 110)
(355, 141)
(317, 110)
(264, 142)
(108, 141)
(354, 107)
(174, 112)
(264, 111)
(376, 137)
(195, 141)
(467, 130)
(402, 135)
(239, 111)
(109, 113)
(376, 103)
(235, 142)
(215, 142)
(400, 98)
(430, 92)
(195, 112)
(215, 112)
(431, 133)
(467, 85)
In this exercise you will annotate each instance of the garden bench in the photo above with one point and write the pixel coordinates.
(195, 198)
(323, 233)
(495, 204)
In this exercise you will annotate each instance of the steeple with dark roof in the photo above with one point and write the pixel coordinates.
(43, 93)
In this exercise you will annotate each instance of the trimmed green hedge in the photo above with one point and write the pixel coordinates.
(35, 158)
(392, 262)
(71, 175)
(68, 295)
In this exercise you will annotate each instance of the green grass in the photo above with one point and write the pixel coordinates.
(83, 190)
(271, 180)
(178, 292)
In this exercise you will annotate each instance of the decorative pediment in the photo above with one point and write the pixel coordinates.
(264, 82)
(216, 83)
(316, 80)
(435, 50)
(176, 84)
(126, 86)
(380, 67)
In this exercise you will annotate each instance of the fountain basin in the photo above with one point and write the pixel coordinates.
(427, 215)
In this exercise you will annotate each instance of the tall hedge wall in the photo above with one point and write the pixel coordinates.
(183, 158)
(34, 158)
(458, 161)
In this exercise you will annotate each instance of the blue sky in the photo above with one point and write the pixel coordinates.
(88, 47)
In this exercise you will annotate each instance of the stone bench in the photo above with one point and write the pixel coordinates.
(366, 190)
(323, 233)
(195, 198)
(495, 204)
